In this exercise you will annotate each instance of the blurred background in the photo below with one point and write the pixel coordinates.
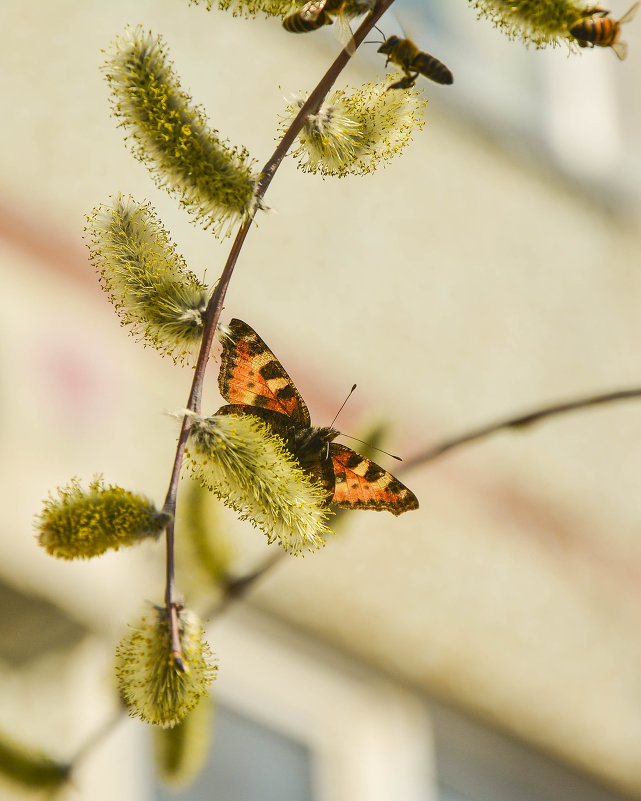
(484, 648)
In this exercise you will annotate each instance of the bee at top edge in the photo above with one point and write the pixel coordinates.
(317, 13)
(597, 29)
(311, 16)
(414, 62)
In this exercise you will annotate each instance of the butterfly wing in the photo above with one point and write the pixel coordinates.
(362, 484)
(250, 374)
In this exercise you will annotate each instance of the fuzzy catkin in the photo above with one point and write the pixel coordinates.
(181, 752)
(151, 685)
(148, 282)
(355, 131)
(249, 8)
(537, 22)
(30, 769)
(248, 467)
(170, 134)
(81, 523)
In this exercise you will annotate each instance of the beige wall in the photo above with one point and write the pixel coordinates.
(460, 284)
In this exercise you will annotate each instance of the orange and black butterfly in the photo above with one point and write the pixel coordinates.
(254, 382)
(598, 29)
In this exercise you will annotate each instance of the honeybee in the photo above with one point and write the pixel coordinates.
(600, 30)
(311, 16)
(405, 54)
(316, 13)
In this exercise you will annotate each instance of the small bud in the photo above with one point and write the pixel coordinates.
(247, 466)
(151, 685)
(213, 181)
(537, 22)
(181, 752)
(249, 8)
(30, 769)
(147, 281)
(351, 133)
(85, 523)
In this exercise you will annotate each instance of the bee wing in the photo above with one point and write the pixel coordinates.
(343, 32)
(629, 14)
(621, 49)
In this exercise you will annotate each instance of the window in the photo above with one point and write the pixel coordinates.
(300, 722)
(249, 761)
(571, 111)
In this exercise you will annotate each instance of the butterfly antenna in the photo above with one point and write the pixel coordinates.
(349, 395)
(356, 439)
(362, 441)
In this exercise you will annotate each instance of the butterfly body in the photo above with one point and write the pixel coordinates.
(255, 383)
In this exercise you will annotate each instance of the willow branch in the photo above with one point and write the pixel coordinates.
(98, 736)
(235, 589)
(520, 421)
(215, 304)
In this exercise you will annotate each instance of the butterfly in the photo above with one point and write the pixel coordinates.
(254, 382)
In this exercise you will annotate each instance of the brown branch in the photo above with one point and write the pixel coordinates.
(100, 734)
(235, 589)
(521, 421)
(215, 304)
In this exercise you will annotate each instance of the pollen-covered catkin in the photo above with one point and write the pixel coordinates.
(249, 8)
(181, 752)
(249, 469)
(537, 22)
(83, 523)
(151, 685)
(354, 131)
(148, 282)
(30, 769)
(168, 133)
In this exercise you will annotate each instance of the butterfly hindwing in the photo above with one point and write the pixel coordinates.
(250, 374)
(362, 484)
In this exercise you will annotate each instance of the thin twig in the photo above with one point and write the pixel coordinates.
(521, 421)
(215, 305)
(236, 589)
(96, 737)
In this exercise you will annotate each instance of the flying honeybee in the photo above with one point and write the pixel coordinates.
(413, 62)
(598, 29)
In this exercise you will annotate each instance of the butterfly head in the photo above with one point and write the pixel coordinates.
(327, 434)
(311, 444)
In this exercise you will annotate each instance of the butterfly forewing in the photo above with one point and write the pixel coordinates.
(362, 484)
(251, 374)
